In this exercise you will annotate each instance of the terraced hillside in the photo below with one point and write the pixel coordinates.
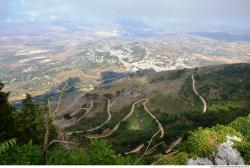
(152, 113)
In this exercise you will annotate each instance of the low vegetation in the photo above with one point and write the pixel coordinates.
(225, 89)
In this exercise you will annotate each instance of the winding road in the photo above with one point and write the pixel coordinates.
(87, 109)
(118, 124)
(160, 127)
(196, 92)
(126, 117)
(107, 120)
(136, 150)
(173, 144)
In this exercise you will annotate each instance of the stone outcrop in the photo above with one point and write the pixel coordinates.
(226, 155)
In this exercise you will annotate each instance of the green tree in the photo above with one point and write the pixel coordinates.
(29, 122)
(6, 109)
(101, 153)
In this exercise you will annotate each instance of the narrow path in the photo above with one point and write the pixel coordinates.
(157, 121)
(201, 98)
(67, 123)
(173, 144)
(133, 108)
(105, 135)
(117, 125)
(107, 120)
(136, 150)
(126, 117)
(87, 109)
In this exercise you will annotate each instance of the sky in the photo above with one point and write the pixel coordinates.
(154, 12)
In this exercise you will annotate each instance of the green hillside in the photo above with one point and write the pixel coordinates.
(162, 118)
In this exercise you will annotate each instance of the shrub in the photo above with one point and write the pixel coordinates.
(244, 149)
(4, 146)
(204, 142)
(61, 156)
(242, 125)
(26, 154)
(178, 159)
(99, 153)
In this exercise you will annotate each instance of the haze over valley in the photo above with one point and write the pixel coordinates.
(115, 82)
(35, 63)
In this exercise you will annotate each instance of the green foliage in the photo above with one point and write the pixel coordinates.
(26, 154)
(242, 125)
(29, 122)
(226, 105)
(211, 118)
(7, 145)
(204, 142)
(244, 149)
(178, 159)
(6, 109)
(61, 156)
(140, 120)
(99, 153)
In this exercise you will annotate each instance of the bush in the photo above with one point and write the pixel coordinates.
(204, 142)
(244, 149)
(178, 159)
(242, 125)
(26, 154)
(61, 156)
(99, 153)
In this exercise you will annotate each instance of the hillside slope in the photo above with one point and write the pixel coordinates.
(158, 108)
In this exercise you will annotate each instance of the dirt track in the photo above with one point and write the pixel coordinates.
(136, 150)
(173, 144)
(157, 121)
(126, 117)
(107, 120)
(201, 98)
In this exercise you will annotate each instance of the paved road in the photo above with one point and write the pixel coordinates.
(201, 98)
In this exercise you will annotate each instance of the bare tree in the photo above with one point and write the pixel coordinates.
(50, 117)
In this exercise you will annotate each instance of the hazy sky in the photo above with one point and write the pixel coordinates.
(158, 12)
